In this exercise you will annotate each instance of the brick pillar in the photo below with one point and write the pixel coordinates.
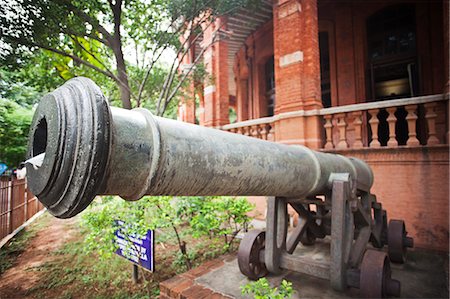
(241, 72)
(297, 71)
(446, 14)
(186, 107)
(216, 96)
(242, 104)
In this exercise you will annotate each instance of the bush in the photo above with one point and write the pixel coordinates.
(222, 217)
(214, 216)
(261, 289)
(15, 122)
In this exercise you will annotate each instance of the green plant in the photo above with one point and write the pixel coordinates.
(15, 121)
(179, 217)
(151, 212)
(221, 216)
(261, 289)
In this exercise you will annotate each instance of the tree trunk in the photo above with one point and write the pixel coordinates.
(116, 45)
(124, 87)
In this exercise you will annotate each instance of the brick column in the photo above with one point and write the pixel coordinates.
(241, 71)
(446, 46)
(186, 107)
(297, 70)
(216, 96)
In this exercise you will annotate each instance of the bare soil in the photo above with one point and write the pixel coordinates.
(20, 278)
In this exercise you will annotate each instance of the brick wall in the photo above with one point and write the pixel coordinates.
(216, 94)
(412, 185)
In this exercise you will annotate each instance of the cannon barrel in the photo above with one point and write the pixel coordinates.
(93, 149)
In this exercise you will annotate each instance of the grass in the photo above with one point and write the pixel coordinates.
(10, 251)
(73, 272)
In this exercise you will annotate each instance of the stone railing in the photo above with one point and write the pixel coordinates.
(262, 128)
(414, 121)
(392, 123)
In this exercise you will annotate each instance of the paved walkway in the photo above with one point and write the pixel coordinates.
(425, 275)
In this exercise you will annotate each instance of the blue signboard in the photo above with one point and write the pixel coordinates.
(3, 167)
(137, 249)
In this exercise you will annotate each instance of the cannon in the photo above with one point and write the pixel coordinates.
(90, 149)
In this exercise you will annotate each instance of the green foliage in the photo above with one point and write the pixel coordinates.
(232, 115)
(94, 39)
(16, 90)
(213, 216)
(15, 122)
(261, 289)
(139, 216)
(220, 216)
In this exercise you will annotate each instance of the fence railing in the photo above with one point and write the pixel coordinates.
(17, 205)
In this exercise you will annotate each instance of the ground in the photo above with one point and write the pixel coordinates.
(48, 260)
(424, 275)
(51, 235)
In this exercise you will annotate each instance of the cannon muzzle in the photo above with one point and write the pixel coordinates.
(92, 149)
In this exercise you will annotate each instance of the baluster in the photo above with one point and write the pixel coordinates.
(247, 131)
(342, 126)
(255, 131)
(430, 116)
(357, 123)
(328, 131)
(411, 118)
(271, 135)
(391, 119)
(264, 131)
(374, 127)
(239, 130)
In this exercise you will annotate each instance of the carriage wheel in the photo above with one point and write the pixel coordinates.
(248, 255)
(308, 238)
(375, 276)
(398, 241)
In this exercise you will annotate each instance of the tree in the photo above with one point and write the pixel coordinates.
(96, 33)
(14, 125)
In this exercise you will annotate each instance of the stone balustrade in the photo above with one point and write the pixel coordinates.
(392, 123)
(407, 122)
(262, 128)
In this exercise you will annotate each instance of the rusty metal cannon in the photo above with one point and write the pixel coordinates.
(91, 149)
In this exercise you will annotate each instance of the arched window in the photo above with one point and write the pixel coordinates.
(391, 38)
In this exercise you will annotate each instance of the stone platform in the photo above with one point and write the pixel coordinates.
(425, 275)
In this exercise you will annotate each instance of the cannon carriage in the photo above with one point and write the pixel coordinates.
(92, 149)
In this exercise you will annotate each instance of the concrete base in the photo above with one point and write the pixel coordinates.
(423, 276)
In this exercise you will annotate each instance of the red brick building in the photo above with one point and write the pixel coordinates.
(368, 79)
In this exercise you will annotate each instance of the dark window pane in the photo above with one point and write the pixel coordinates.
(325, 69)
(391, 32)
